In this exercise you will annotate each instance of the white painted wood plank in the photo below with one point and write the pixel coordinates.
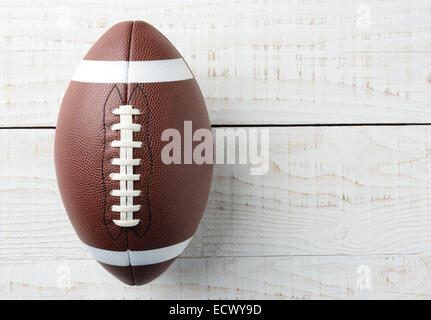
(329, 191)
(261, 62)
(306, 277)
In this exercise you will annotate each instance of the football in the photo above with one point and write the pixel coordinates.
(133, 212)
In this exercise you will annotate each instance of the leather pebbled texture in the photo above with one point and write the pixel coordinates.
(173, 197)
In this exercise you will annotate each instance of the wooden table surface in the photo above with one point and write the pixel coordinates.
(344, 87)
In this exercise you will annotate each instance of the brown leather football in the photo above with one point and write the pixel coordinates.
(134, 213)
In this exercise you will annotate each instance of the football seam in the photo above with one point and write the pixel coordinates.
(150, 151)
(126, 99)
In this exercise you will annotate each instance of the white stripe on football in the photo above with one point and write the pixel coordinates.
(138, 258)
(93, 71)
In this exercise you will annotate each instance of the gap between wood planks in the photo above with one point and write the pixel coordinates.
(275, 125)
(346, 255)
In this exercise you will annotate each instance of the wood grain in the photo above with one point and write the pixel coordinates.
(337, 200)
(323, 195)
(306, 277)
(261, 62)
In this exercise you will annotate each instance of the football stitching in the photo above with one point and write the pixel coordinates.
(126, 162)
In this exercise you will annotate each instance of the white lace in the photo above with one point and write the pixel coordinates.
(126, 163)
